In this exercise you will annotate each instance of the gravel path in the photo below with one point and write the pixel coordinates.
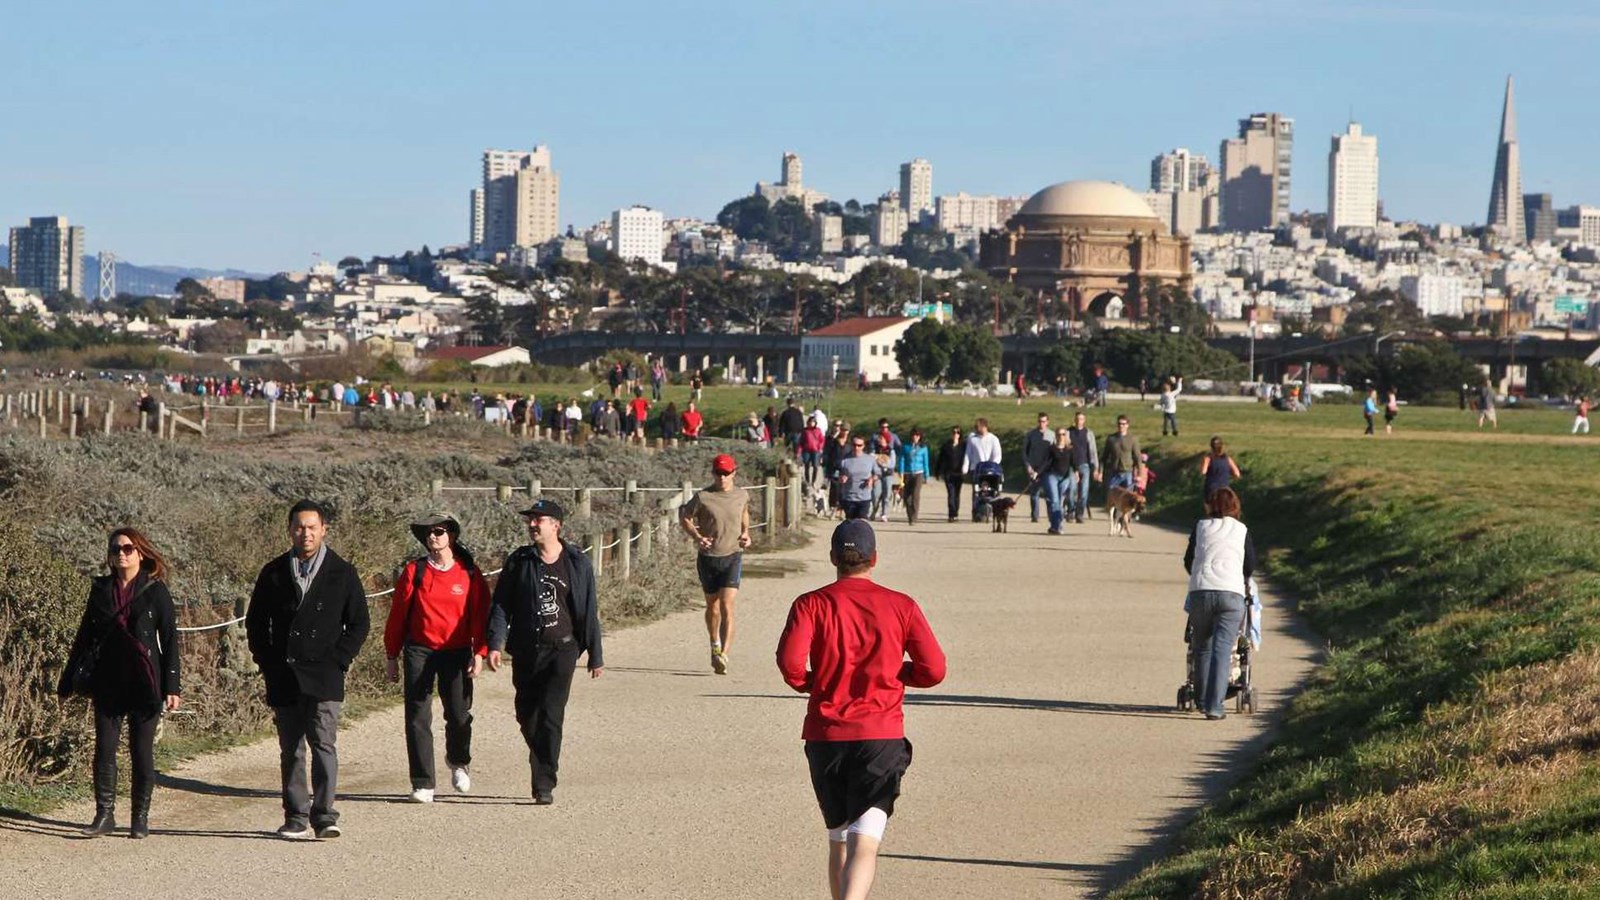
(1047, 763)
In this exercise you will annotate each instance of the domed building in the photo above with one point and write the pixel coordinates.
(1091, 244)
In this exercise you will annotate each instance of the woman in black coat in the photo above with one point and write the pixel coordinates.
(129, 641)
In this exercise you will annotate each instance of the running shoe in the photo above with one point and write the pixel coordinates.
(422, 795)
(460, 780)
(719, 662)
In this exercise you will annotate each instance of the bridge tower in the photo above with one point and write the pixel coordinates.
(108, 275)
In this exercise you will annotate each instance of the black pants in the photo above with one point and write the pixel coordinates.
(542, 676)
(911, 496)
(141, 750)
(423, 666)
(952, 492)
(1169, 419)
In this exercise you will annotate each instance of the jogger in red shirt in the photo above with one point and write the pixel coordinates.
(856, 635)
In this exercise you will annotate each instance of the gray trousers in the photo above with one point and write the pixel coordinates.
(315, 724)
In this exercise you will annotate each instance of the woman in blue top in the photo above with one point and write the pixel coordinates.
(1217, 469)
(914, 470)
(1370, 408)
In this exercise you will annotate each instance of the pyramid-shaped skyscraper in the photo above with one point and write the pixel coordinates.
(1505, 195)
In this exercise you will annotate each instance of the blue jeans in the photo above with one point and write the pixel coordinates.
(1052, 487)
(1121, 480)
(1214, 621)
(1078, 496)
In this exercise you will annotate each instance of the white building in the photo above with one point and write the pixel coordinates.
(916, 189)
(890, 222)
(963, 211)
(475, 219)
(862, 344)
(828, 232)
(637, 234)
(791, 187)
(1435, 295)
(1353, 180)
(1179, 170)
(1584, 223)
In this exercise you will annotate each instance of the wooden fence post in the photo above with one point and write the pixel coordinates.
(238, 422)
(630, 491)
(646, 530)
(769, 499)
(585, 503)
(502, 493)
(72, 426)
(535, 488)
(272, 417)
(436, 487)
(111, 411)
(625, 550)
(596, 555)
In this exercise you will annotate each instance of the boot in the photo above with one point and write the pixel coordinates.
(105, 801)
(141, 812)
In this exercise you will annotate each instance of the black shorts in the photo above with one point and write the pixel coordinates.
(719, 572)
(851, 777)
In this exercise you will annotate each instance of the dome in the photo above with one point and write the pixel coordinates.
(1098, 199)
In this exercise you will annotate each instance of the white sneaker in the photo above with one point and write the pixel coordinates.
(460, 780)
(422, 795)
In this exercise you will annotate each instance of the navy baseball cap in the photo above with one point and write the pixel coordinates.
(855, 534)
(543, 507)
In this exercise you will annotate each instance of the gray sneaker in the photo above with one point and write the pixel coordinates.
(328, 832)
(295, 831)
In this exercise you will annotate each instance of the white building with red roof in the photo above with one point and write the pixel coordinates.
(852, 346)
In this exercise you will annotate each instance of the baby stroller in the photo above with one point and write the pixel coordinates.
(986, 481)
(1241, 689)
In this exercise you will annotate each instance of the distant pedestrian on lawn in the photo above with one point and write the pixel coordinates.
(1169, 405)
(846, 647)
(1391, 408)
(1220, 560)
(717, 519)
(951, 468)
(858, 475)
(306, 622)
(1217, 469)
(692, 422)
(125, 657)
(1486, 400)
(436, 633)
(546, 613)
(1580, 416)
(1369, 409)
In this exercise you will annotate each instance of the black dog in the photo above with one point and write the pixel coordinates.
(1000, 509)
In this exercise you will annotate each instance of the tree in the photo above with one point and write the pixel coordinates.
(748, 217)
(1169, 306)
(1062, 362)
(1569, 378)
(974, 354)
(1130, 355)
(226, 336)
(791, 229)
(1382, 311)
(487, 322)
(924, 350)
(1430, 368)
(351, 262)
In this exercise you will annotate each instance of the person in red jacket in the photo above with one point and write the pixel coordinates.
(846, 645)
(692, 421)
(438, 623)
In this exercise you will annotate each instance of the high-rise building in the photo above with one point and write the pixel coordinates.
(1255, 173)
(47, 255)
(636, 233)
(1352, 180)
(916, 189)
(1505, 193)
(963, 211)
(521, 198)
(1582, 221)
(1539, 217)
(475, 225)
(1179, 170)
(890, 222)
(827, 232)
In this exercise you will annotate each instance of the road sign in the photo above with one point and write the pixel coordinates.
(1574, 306)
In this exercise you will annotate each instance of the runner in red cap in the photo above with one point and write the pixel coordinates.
(717, 518)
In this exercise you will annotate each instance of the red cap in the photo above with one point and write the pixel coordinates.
(724, 464)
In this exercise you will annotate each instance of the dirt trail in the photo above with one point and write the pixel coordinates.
(1048, 760)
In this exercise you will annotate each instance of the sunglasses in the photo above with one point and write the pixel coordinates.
(438, 531)
(122, 550)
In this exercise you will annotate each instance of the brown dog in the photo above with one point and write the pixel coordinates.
(1122, 505)
(999, 511)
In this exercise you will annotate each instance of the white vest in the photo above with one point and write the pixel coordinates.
(1218, 556)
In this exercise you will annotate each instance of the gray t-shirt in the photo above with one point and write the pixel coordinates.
(857, 470)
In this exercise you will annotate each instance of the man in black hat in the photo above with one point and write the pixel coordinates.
(545, 613)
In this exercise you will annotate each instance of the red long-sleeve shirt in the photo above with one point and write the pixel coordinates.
(856, 635)
(450, 611)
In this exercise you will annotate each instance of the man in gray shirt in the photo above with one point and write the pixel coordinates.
(858, 472)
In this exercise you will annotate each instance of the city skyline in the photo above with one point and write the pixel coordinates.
(229, 137)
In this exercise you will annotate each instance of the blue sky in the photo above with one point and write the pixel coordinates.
(255, 134)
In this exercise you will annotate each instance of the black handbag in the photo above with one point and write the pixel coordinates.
(78, 677)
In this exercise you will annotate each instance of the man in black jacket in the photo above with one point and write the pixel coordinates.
(791, 422)
(545, 612)
(306, 623)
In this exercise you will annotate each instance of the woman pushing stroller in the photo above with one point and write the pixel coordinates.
(1220, 560)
